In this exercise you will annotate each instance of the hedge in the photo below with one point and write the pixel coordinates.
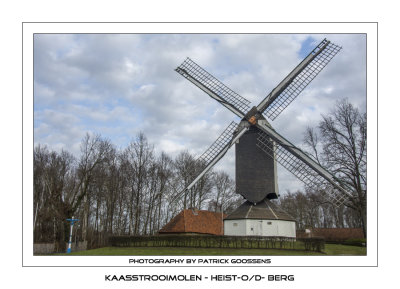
(313, 243)
(211, 241)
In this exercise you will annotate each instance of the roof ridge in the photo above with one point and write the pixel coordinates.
(248, 212)
(272, 211)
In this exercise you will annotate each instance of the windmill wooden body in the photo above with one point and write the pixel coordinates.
(259, 147)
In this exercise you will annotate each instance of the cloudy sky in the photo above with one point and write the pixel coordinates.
(117, 85)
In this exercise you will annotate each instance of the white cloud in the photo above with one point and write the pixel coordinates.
(118, 85)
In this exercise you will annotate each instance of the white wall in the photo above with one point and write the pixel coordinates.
(235, 227)
(252, 227)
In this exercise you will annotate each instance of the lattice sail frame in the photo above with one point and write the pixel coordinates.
(192, 69)
(301, 81)
(223, 142)
(218, 145)
(299, 168)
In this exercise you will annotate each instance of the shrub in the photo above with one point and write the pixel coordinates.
(313, 243)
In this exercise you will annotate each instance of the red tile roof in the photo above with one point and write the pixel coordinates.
(195, 221)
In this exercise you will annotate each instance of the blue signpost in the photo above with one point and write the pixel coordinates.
(72, 221)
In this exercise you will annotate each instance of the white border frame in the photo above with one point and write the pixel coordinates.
(29, 29)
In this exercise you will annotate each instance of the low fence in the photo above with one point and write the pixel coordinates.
(313, 244)
(44, 248)
(210, 241)
(337, 235)
(49, 248)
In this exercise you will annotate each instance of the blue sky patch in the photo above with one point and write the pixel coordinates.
(306, 47)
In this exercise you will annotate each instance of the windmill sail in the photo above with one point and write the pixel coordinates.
(269, 141)
(301, 165)
(213, 87)
(219, 145)
(281, 96)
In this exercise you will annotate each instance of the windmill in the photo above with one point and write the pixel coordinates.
(259, 147)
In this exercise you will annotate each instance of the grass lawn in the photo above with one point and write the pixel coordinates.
(337, 250)
(330, 249)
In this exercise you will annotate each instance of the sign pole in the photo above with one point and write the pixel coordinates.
(72, 221)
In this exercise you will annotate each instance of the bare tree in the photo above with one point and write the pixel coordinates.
(140, 155)
(340, 145)
(184, 165)
(53, 174)
(164, 173)
(94, 150)
(224, 190)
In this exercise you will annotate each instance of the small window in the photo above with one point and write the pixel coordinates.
(235, 224)
(251, 229)
(269, 223)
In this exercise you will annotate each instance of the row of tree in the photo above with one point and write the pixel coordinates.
(133, 191)
(339, 144)
(310, 210)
